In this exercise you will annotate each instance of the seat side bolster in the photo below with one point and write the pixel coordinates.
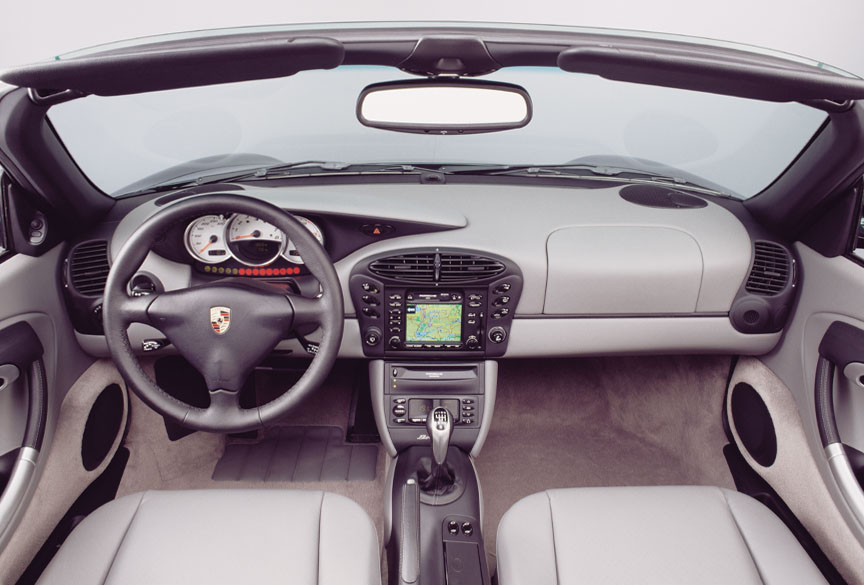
(89, 552)
(776, 553)
(348, 550)
(526, 544)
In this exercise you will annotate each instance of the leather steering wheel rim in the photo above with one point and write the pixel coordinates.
(284, 313)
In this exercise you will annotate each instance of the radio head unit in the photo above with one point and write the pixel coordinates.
(442, 317)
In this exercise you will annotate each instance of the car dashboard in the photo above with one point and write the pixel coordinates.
(478, 270)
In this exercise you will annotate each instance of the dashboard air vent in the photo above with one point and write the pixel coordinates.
(437, 267)
(406, 267)
(88, 267)
(468, 267)
(770, 272)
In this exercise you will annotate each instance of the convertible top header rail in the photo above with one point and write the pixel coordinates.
(248, 54)
(159, 69)
(726, 76)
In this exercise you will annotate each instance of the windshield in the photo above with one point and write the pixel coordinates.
(127, 143)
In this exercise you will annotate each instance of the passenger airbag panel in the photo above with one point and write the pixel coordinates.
(630, 270)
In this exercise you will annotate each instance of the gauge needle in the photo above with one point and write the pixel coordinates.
(208, 244)
(246, 236)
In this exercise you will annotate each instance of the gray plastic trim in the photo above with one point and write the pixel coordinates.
(376, 386)
(489, 392)
(8, 374)
(847, 484)
(15, 494)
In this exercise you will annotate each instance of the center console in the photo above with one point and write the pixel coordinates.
(431, 318)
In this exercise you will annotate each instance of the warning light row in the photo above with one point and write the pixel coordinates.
(252, 271)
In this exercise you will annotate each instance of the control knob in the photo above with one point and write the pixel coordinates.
(394, 342)
(497, 334)
(372, 337)
(472, 342)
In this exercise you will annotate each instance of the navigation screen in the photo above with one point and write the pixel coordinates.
(431, 323)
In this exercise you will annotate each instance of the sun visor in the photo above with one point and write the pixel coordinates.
(719, 74)
(146, 69)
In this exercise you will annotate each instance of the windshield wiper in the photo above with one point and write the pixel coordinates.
(310, 168)
(580, 171)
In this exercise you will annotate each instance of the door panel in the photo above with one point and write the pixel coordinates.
(832, 289)
(32, 314)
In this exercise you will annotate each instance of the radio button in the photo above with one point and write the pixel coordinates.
(395, 297)
(475, 297)
(394, 342)
(472, 342)
(474, 304)
(399, 410)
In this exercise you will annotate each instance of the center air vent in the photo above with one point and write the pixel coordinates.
(88, 267)
(431, 267)
(770, 272)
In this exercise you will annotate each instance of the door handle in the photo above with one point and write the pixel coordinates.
(8, 374)
(854, 372)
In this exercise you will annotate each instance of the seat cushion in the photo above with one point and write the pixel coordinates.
(648, 535)
(217, 537)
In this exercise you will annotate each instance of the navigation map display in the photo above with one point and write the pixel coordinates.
(433, 323)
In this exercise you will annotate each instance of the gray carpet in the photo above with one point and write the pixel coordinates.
(602, 422)
(298, 454)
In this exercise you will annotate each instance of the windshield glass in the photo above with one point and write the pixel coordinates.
(127, 143)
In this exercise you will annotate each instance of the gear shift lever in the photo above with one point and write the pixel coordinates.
(439, 426)
(438, 478)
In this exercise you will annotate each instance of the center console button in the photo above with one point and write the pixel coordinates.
(369, 287)
(370, 312)
(467, 529)
(453, 527)
(502, 288)
(399, 410)
(501, 301)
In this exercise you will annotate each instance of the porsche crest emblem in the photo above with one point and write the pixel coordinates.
(220, 319)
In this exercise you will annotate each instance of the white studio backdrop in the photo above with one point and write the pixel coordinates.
(826, 31)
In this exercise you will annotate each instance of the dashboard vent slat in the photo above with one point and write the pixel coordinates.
(88, 268)
(771, 269)
(432, 267)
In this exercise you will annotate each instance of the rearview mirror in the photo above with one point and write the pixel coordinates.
(444, 107)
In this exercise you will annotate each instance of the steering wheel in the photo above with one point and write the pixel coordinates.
(224, 351)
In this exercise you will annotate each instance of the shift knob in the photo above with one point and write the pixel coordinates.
(439, 426)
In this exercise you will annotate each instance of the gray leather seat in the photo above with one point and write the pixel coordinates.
(217, 537)
(648, 535)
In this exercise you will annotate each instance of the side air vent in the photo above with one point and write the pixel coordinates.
(436, 267)
(88, 267)
(770, 272)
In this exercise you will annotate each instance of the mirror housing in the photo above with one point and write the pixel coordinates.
(444, 106)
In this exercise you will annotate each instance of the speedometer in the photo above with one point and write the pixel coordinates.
(205, 239)
(253, 241)
(290, 252)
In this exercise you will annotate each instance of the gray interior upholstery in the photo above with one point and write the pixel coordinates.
(646, 535)
(216, 537)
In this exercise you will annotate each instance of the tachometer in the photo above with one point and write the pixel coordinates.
(253, 241)
(290, 252)
(205, 239)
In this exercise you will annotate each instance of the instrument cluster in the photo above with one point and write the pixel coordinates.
(219, 242)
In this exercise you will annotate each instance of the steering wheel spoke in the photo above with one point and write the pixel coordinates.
(135, 309)
(307, 311)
